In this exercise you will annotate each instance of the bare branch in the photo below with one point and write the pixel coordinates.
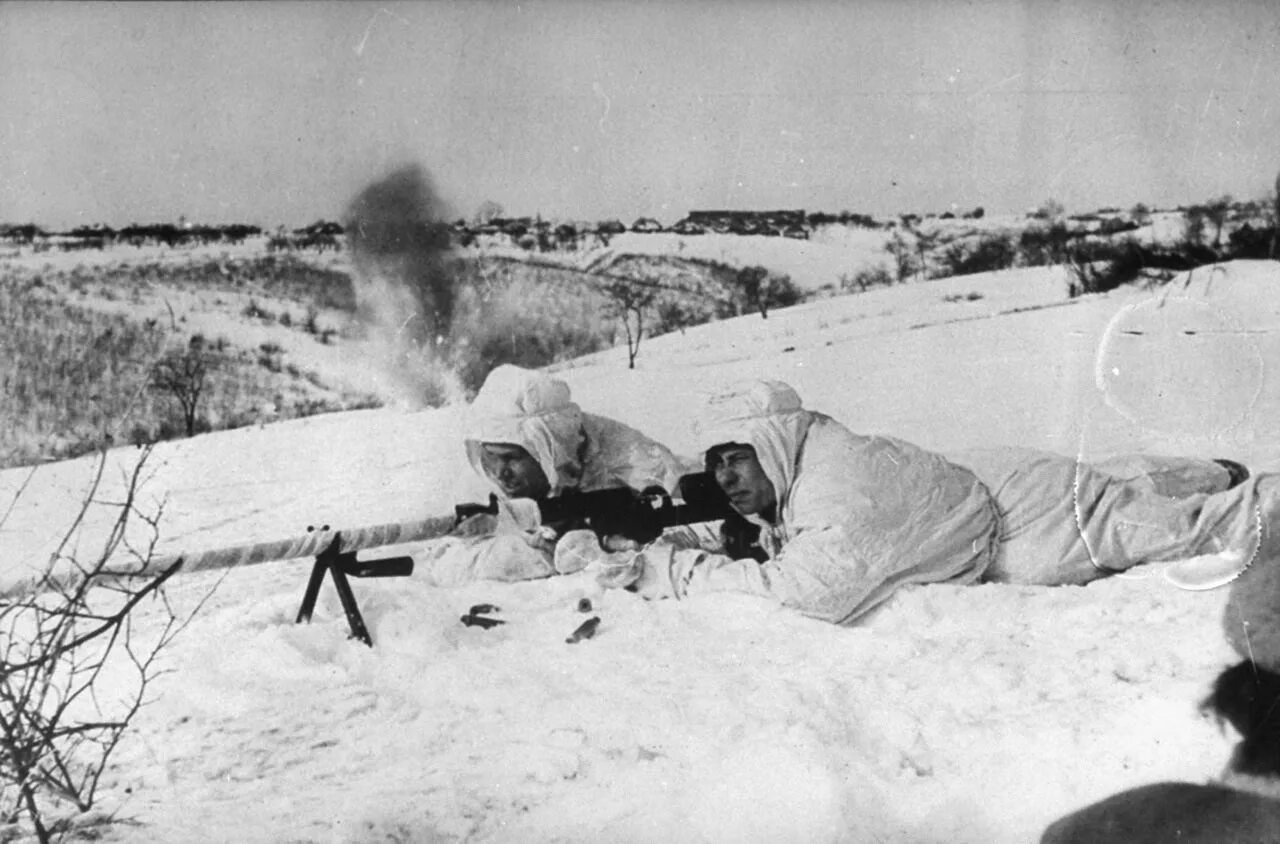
(56, 643)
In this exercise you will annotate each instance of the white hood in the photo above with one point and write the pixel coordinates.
(766, 415)
(531, 410)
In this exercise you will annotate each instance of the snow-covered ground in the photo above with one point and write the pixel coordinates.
(957, 714)
(832, 252)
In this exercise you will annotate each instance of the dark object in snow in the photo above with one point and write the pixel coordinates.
(481, 609)
(1251, 618)
(585, 630)
(1247, 697)
(483, 622)
(584, 605)
(1238, 472)
(1172, 811)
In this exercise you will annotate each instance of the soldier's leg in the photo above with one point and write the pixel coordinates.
(1175, 477)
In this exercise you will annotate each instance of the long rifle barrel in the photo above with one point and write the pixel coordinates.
(309, 545)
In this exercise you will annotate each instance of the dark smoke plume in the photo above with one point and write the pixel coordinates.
(404, 289)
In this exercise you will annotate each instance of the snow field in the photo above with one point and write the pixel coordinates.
(956, 714)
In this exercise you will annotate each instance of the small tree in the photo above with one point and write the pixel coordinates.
(1216, 212)
(903, 253)
(1051, 209)
(760, 289)
(1041, 245)
(876, 276)
(628, 303)
(183, 375)
(1196, 216)
(753, 285)
(924, 243)
(58, 636)
(1275, 221)
(993, 252)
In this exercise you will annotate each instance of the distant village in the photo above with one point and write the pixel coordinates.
(531, 232)
(539, 234)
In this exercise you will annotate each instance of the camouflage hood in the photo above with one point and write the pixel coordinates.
(535, 412)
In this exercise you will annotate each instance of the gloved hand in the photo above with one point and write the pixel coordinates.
(522, 516)
(519, 514)
(581, 549)
(481, 524)
(646, 572)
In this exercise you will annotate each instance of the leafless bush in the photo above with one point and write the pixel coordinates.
(61, 638)
(759, 289)
(629, 303)
(1051, 209)
(876, 276)
(1100, 266)
(903, 253)
(1275, 221)
(988, 254)
(1044, 245)
(183, 375)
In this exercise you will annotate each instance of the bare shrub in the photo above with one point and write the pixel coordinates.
(1248, 242)
(877, 276)
(903, 252)
(758, 289)
(1103, 266)
(990, 253)
(63, 635)
(1275, 221)
(1043, 245)
(629, 303)
(183, 375)
(1195, 219)
(925, 243)
(271, 356)
(1216, 212)
(1050, 209)
(255, 311)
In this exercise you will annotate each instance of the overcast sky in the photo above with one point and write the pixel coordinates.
(280, 112)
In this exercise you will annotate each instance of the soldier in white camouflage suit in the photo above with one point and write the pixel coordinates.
(528, 440)
(833, 522)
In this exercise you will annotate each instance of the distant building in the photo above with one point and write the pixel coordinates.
(745, 222)
(647, 225)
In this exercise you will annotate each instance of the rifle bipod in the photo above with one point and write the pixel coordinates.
(340, 566)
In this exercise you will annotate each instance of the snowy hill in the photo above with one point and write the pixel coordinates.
(958, 714)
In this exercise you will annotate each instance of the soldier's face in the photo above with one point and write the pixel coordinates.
(739, 473)
(514, 470)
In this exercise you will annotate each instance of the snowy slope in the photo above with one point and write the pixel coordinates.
(958, 714)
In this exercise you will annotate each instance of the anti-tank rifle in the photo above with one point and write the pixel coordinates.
(615, 511)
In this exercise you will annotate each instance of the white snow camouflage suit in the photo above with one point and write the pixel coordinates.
(575, 450)
(858, 516)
